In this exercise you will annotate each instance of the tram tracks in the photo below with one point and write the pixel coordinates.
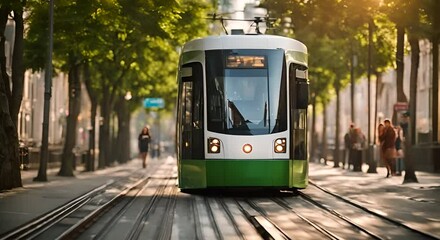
(372, 212)
(64, 221)
(316, 215)
(146, 213)
(153, 208)
(44, 222)
(378, 225)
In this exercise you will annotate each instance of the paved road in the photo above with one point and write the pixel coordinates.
(415, 204)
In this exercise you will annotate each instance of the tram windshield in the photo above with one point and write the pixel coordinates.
(246, 91)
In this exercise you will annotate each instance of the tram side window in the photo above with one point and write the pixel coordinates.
(192, 110)
(300, 146)
(193, 96)
(299, 101)
(187, 105)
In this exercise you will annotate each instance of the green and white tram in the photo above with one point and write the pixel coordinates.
(242, 113)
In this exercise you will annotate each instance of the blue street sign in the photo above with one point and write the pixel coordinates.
(154, 103)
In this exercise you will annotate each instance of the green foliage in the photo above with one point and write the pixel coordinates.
(129, 45)
(334, 31)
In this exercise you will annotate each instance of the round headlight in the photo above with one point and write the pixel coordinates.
(247, 148)
(214, 148)
(279, 148)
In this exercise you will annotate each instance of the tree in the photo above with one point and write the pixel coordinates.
(416, 29)
(397, 12)
(141, 60)
(10, 98)
(68, 57)
(432, 8)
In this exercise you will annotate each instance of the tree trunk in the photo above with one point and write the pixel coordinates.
(435, 79)
(123, 154)
(10, 175)
(93, 109)
(435, 99)
(337, 128)
(113, 151)
(410, 175)
(376, 100)
(324, 134)
(92, 134)
(68, 159)
(104, 130)
(401, 97)
(17, 68)
(352, 84)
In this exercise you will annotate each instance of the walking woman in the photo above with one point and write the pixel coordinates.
(144, 140)
(388, 139)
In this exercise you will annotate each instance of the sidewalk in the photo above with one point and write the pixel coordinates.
(415, 204)
(21, 205)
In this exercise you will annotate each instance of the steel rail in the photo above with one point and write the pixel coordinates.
(42, 223)
(339, 215)
(264, 226)
(73, 230)
(318, 227)
(394, 221)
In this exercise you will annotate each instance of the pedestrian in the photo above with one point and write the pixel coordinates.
(144, 140)
(358, 145)
(348, 144)
(388, 146)
(399, 151)
(404, 122)
(380, 130)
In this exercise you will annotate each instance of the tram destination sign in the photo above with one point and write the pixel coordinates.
(154, 103)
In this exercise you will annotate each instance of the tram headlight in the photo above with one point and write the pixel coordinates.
(280, 145)
(247, 148)
(213, 145)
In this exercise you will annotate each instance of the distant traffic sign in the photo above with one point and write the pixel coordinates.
(154, 103)
(401, 106)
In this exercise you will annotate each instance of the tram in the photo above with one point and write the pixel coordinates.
(242, 113)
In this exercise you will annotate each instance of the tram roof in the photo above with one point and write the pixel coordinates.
(245, 42)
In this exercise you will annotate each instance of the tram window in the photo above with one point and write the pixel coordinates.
(187, 104)
(191, 111)
(301, 88)
(302, 94)
(300, 147)
(246, 91)
(300, 118)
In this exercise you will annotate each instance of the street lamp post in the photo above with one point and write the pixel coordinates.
(370, 156)
(44, 152)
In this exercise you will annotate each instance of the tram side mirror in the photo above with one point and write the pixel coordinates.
(186, 73)
(302, 90)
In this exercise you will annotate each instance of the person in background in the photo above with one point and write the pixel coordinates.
(399, 151)
(358, 146)
(348, 143)
(144, 140)
(380, 130)
(388, 146)
(404, 121)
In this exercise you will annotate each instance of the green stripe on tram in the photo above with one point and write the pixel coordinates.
(243, 173)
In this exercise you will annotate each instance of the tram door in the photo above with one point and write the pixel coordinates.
(191, 119)
(299, 94)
